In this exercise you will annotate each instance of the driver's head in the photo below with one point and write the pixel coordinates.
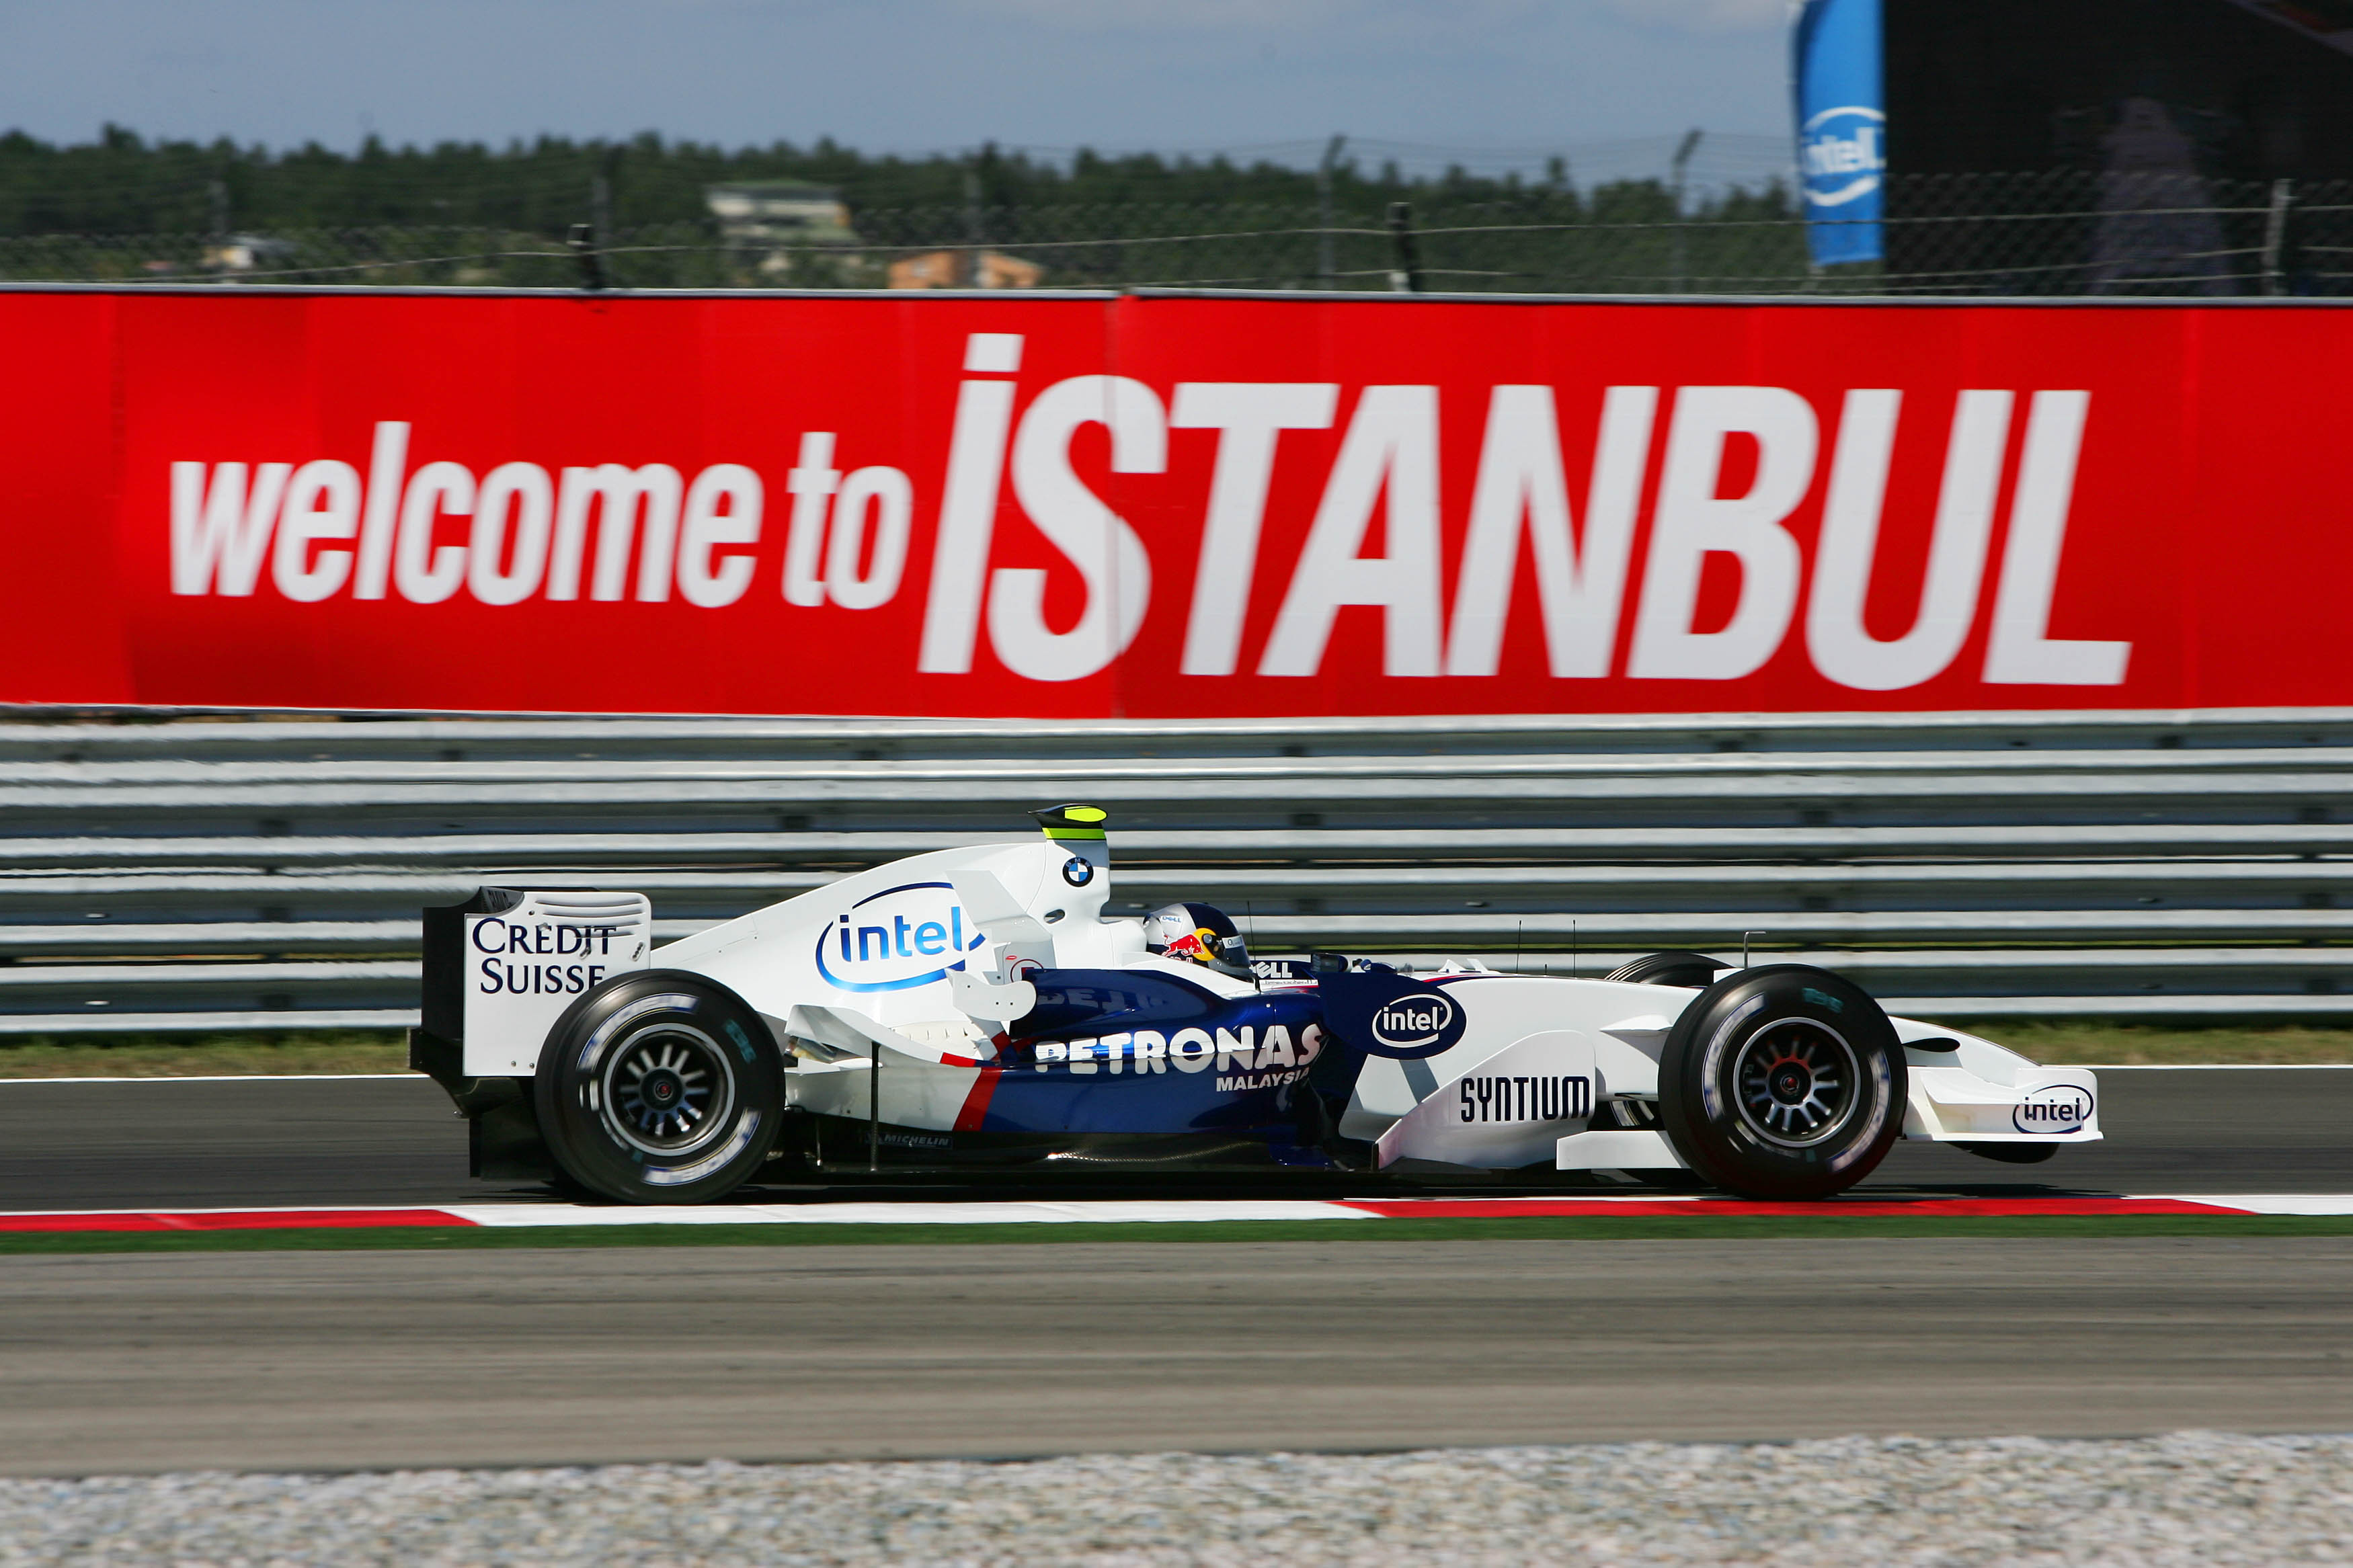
(1199, 933)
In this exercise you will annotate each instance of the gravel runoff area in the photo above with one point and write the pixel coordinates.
(2190, 1498)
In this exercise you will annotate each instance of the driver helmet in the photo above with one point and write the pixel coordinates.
(1199, 933)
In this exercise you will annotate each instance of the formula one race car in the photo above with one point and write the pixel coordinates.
(970, 1010)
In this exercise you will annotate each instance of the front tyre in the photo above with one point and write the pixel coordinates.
(660, 1086)
(1782, 1082)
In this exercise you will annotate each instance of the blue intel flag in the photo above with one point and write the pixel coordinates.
(1841, 127)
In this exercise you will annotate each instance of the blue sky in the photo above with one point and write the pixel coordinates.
(1495, 82)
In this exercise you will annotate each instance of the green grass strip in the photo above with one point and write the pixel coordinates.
(1710, 1227)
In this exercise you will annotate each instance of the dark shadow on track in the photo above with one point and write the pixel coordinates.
(201, 1143)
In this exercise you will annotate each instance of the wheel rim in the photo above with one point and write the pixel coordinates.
(1797, 1083)
(667, 1090)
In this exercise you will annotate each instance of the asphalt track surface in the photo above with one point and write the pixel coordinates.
(221, 1143)
(311, 1361)
(275, 1359)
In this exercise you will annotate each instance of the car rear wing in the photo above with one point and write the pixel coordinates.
(501, 967)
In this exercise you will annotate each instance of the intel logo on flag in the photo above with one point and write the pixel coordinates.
(1844, 152)
(1841, 127)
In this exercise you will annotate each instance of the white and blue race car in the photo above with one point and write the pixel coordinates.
(972, 1010)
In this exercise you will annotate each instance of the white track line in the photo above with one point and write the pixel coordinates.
(1116, 1211)
(1100, 1212)
(514, 1216)
(2312, 1203)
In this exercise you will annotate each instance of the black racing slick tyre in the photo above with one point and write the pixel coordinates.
(1782, 1082)
(1693, 969)
(660, 1086)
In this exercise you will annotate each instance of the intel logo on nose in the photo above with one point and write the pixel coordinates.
(2058, 1108)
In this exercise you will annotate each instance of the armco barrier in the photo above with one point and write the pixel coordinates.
(207, 874)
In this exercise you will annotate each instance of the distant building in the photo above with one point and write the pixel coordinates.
(965, 270)
(782, 218)
(754, 213)
(248, 252)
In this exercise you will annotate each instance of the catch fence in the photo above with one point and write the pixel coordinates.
(2067, 234)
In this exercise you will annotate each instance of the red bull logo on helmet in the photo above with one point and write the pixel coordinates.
(1195, 945)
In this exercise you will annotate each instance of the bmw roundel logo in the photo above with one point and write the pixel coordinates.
(1077, 872)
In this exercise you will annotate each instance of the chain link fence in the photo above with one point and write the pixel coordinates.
(2068, 233)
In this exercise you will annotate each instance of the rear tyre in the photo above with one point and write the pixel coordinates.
(1695, 969)
(1782, 1082)
(660, 1086)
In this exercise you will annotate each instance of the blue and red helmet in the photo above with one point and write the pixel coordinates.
(1197, 933)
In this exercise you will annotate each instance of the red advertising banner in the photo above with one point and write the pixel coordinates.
(1167, 506)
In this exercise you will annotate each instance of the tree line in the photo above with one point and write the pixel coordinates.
(121, 183)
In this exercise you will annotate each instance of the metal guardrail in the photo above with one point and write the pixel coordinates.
(184, 871)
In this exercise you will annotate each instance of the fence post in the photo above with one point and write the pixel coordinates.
(1406, 276)
(975, 229)
(1326, 255)
(2275, 236)
(217, 191)
(583, 241)
(600, 199)
(1682, 163)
